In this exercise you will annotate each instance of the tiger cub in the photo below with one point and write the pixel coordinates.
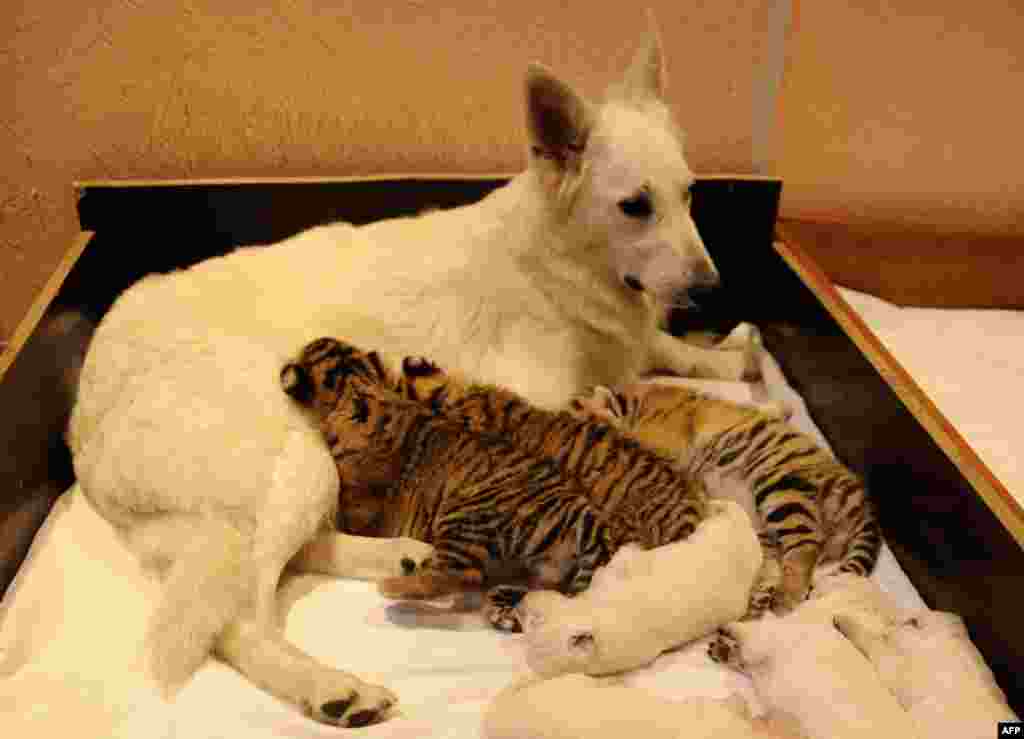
(810, 506)
(539, 502)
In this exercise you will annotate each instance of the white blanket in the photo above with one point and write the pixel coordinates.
(969, 362)
(71, 622)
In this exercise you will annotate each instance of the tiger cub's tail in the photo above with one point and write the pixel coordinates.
(864, 544)
(429, 583)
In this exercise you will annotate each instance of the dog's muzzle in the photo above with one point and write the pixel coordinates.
(703, 282)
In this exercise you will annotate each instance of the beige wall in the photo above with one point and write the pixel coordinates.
(897, 111)
(908, 111)
(122, 89)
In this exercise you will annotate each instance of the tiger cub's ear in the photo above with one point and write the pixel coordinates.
(297, 382)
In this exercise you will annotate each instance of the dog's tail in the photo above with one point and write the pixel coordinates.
(204, 590)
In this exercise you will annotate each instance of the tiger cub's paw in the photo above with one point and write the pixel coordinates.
(415, 367)
(502, 607)
(424, 381)
(597, 402)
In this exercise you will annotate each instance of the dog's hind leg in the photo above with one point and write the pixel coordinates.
(303, 493)
(255, 645)
(204, 589)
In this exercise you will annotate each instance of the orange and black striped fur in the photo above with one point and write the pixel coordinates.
(507, 494)
(811, 507)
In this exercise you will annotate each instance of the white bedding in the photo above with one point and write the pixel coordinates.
(71, 622)
(969, 362)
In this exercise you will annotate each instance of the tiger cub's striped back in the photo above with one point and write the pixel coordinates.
(810, 506)
(493, 503)
(617, 472)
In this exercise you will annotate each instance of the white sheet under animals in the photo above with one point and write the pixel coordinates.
(73, 619)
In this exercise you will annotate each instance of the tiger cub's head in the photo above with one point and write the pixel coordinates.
(364, 422)
(662, 417)
(328, 370)
(668, 417)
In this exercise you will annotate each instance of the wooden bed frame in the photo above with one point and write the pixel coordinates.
(955, 530)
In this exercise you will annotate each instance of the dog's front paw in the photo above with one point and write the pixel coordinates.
(745, 339)
(751, 366)
(745, 336)
(339, 699)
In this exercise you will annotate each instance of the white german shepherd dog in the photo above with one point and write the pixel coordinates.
(184, 441)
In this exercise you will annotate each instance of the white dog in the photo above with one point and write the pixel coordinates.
(183, 439)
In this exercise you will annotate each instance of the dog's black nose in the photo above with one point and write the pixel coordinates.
(698, 296)
(701, 292)
(704, 282)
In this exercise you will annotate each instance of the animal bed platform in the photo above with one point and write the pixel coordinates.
(955, 530)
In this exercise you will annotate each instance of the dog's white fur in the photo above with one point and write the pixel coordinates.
(183, 439)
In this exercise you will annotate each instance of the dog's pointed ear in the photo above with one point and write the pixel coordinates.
(645, 77)
(558, 118)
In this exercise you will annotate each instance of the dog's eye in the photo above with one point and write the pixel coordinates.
(638, 206)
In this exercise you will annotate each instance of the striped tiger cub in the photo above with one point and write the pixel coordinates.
(811, 508)
(510, 496)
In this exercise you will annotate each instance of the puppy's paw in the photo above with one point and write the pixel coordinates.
(725, 650)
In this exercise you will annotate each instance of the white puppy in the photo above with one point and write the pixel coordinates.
(644, 603)
(183, 439)
(806, 672)
(930, 664)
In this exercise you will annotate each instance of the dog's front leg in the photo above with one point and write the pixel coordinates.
(359, 557)
(688, 360)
